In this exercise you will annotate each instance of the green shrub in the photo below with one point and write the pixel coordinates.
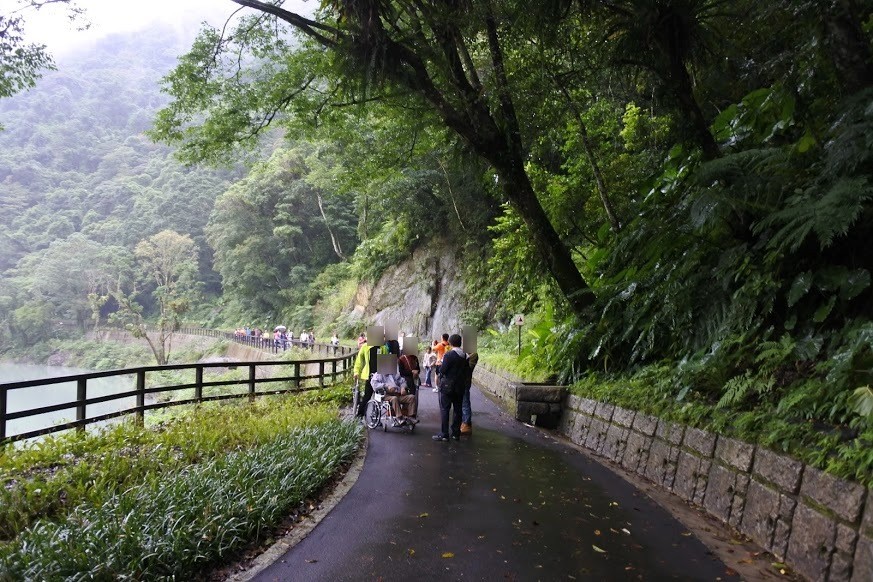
(173, 525)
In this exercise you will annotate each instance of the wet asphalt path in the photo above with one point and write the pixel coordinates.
(508, 503)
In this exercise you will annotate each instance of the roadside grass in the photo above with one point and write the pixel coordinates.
(49, 485)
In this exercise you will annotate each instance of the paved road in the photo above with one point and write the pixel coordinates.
(508, 503)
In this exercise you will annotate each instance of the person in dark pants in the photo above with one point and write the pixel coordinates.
(365, 366)
(453, 373)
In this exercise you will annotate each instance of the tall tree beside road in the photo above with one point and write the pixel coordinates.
(447, 57)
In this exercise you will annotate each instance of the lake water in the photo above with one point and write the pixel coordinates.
(38, 396)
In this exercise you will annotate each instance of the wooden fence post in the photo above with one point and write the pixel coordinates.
(297, 374)
(251, 382)
(3, 396)
(333, 371)
(321, 373)
(140, 397)
(81, 395)
(198, 383)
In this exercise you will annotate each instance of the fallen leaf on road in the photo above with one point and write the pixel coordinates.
(686, 534)
(597, 532)
(625, 530)
(311, 561)
(411, 552)
(598, 550)
(423, 515)
(448, 555)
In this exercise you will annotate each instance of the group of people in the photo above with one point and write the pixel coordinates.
(280, 338)
(448, 370)
(452, 371)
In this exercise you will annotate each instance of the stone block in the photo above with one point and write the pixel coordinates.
(784, 523)
(841, 562)
(573, 402)
(587, 406)
(568, 419)
(636, 452)
(867, 520)
(692, 473)
(623, 417)
(760, 514)
(670, 432)
(604, 410)
(615, 442)
(862, 567)
(812, 542)
(645, 424)
(535, 393)
(580, 428)
(738, 504)
(596, 432)
(783, 472)
(719, 497)
(661, 466)
(838, 495)
(734, 453)
(700, 441)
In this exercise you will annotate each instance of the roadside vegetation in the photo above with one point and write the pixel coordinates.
(191, 489)
(788, 421)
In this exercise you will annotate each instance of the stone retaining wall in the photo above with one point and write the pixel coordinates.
(819, 525)
(538, 404)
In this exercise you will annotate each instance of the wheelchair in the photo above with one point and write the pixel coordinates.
(380, 412)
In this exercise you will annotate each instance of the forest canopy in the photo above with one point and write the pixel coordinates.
(692, 177)
(679, 188)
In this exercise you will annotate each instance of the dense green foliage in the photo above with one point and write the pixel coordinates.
(81, 186)
(288, 445)
(681, 186)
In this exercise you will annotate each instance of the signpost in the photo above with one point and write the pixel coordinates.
(518, 321)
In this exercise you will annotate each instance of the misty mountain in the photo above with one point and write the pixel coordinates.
(74, 159)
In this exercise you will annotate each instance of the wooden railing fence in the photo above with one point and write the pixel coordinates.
(329, 367)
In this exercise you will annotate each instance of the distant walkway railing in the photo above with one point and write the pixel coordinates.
(328, 367)
(270, 345)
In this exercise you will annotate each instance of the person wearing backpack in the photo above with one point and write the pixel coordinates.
(466, 410)
(453, 376)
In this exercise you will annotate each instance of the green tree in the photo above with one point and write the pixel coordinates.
(167, 262)
(275, 229)
(22, 63)
(446, 58)
(71, 278)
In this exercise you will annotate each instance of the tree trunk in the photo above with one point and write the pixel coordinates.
(849, 49)
(683, 89)
(337, 249)
(552, 250)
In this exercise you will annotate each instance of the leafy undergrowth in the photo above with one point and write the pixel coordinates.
(523, 368)
(839, 451)
(142, 503)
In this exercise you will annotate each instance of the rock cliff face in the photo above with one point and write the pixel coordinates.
(423, 295)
